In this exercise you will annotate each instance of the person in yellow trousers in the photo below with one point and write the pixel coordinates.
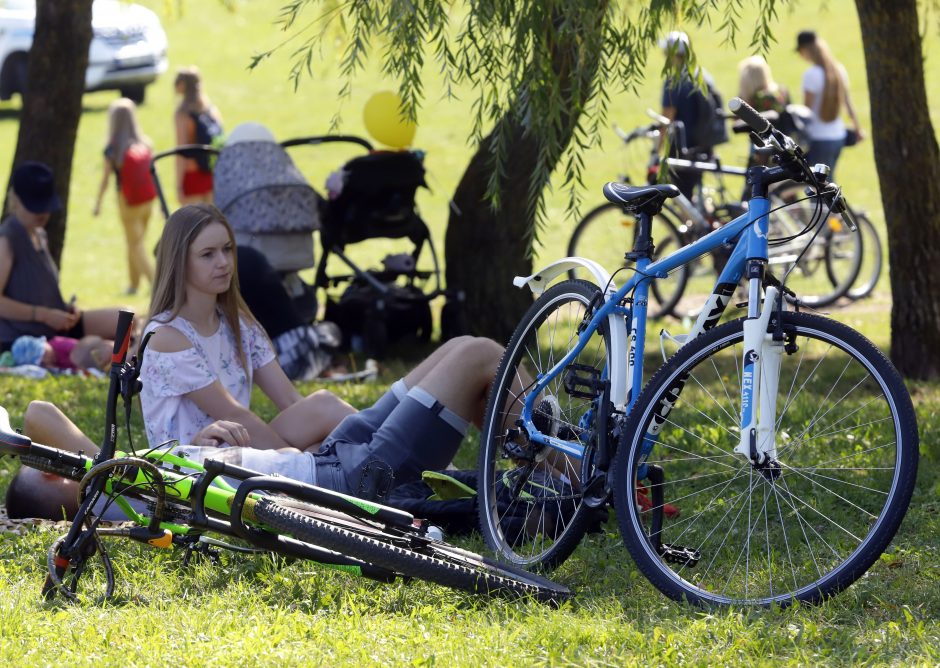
(127, 156)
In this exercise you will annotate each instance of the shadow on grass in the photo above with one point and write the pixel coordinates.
(9, 113)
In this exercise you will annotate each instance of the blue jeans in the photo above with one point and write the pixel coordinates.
(825, 151)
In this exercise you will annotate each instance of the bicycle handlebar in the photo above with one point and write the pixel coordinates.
(750, 115)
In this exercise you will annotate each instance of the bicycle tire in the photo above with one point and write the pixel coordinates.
(539, 525)
(413, 556)
(49, 465)
(872, 259)
(813, 275)
(606, 233)
(842, 510)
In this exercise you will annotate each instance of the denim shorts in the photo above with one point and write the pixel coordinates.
(409, 430)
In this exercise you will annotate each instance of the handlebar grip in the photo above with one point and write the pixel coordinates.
(749, 115)
(122, 336)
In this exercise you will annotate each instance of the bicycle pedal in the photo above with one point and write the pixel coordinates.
(679, 555)
(584, 381)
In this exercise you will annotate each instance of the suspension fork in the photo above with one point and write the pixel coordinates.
(760, 375)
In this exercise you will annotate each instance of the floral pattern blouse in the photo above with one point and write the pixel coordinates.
(168, 377)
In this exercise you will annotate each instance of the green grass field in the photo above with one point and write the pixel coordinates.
(261, 612)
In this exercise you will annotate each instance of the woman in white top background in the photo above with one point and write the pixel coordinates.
(826, 93)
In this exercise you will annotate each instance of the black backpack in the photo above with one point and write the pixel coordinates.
(208, 132)
(710, 127)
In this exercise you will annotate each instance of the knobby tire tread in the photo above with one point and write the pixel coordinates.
(498, 581)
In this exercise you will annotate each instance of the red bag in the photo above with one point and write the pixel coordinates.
(136, 182)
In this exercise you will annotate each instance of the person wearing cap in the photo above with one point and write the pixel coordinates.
(30, 300)
(683, 101)
(825, 92)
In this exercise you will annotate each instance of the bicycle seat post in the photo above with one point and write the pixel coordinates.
(643, 243)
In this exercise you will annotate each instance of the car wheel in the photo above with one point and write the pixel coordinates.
(135, 94)
(13, 76)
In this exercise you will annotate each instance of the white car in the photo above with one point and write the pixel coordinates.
(127, 52)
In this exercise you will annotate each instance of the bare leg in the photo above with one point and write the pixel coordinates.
(306, 423)
(36, 494)
(45, 424)
(101, 322)
(459, 375)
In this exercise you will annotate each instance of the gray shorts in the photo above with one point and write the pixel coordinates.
(407, 429)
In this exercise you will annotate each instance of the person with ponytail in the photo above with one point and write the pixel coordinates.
(197, 121)
(826, 93)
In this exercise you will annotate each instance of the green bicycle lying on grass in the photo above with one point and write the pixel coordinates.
(168, 506)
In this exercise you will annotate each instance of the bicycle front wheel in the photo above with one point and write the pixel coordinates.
(532, 512)
(409, 554)
(800, 528)
(606, 233)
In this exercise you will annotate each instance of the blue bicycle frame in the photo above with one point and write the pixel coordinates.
(748, 234)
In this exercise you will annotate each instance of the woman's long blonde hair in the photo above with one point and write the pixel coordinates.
(123, 129)
(169, 285)
(833, 95)
(753, 77)
(194, 100)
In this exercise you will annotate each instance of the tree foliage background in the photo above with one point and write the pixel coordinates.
(542, 74)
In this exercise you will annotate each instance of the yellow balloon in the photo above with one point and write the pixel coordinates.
(386, 120)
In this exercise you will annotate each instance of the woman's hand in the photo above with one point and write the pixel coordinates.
(57, 319)
(222, 431)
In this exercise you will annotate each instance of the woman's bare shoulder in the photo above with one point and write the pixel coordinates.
(168, 339)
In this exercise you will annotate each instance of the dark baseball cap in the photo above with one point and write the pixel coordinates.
(34, 185)
(805, 38)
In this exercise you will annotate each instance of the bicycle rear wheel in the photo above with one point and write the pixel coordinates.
(606, 233)
(822, 268)
(530, 514)
(872, 259)
(801, 528)
(409, 554)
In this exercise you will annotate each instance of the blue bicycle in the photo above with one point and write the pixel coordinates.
(770, 459)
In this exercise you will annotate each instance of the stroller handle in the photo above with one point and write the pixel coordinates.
(327, 139)
(185, 150)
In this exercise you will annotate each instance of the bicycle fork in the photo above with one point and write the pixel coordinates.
(760, 375)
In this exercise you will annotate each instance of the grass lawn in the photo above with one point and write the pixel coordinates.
(261, 612)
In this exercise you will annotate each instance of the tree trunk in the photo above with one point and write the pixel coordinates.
(52, 105)
(486, 248)
(908, 162)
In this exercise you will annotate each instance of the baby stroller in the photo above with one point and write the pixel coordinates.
(271, 206)
(373, 197)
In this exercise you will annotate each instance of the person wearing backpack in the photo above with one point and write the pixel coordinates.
(197, 122)
(698, 122)
(127, 155)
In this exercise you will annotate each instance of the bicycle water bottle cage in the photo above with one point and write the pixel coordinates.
(640, 199)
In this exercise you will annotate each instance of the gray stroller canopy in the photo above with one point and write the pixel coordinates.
(261, 191)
